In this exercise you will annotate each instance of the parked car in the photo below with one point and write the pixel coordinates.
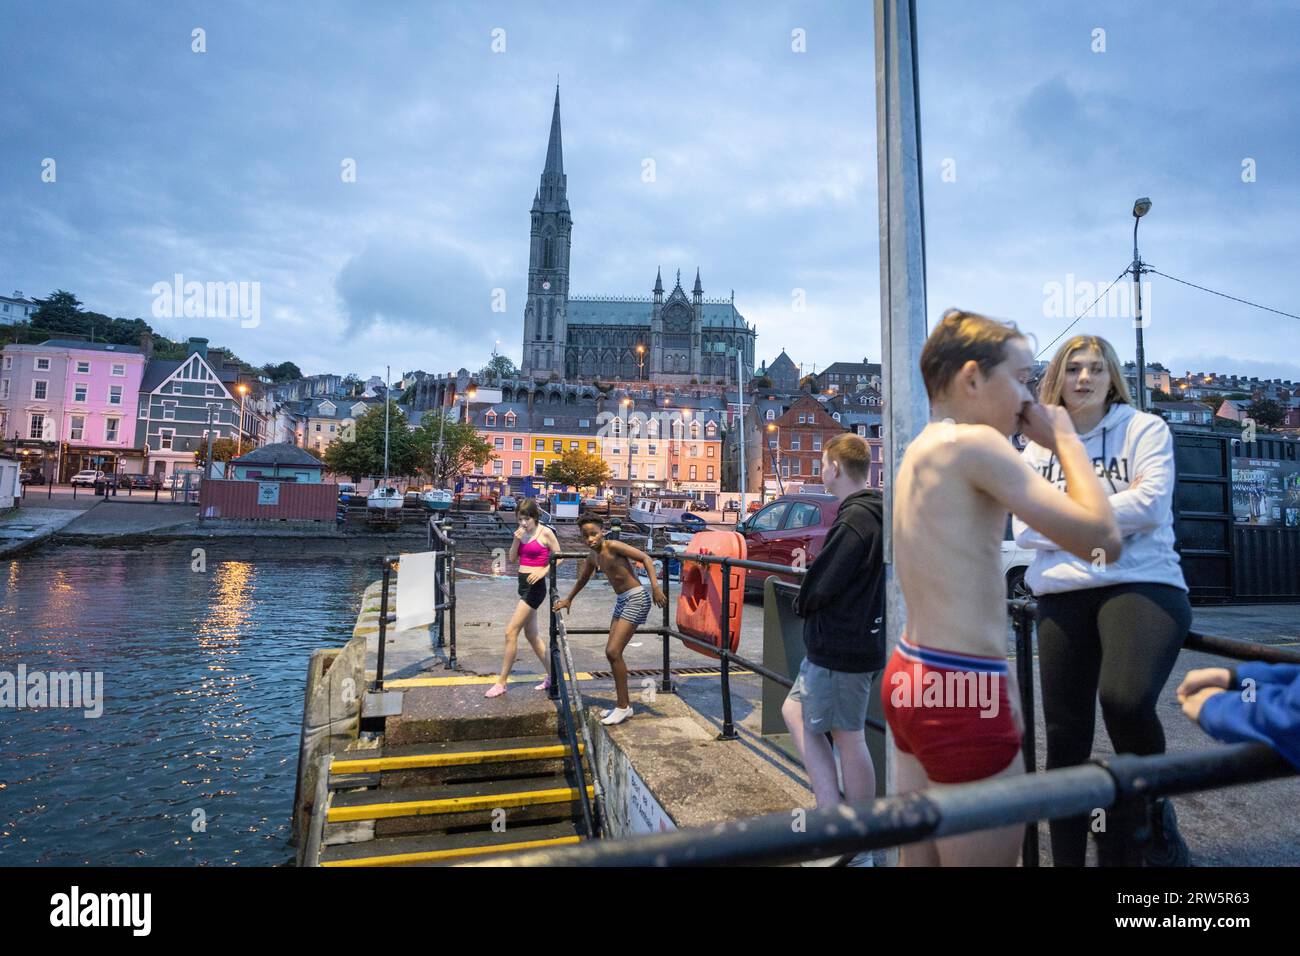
(147, 482)
(788, 531)
(1015, 562)
(32, 476)
(88, 477)
(731, 506)
(507, 503)
(699, 506)
(753, 507)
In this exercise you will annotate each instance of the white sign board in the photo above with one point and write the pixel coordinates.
(268, 492)
(644, 814)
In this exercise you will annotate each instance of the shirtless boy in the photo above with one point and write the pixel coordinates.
(956, 483)
(616, 561)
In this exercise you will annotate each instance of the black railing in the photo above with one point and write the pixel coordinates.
(440, 539)
(574, 713)
(1134, 801)
(724, 653)
(1123, 786)
(445, 595)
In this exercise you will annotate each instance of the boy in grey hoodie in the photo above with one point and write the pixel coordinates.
(1109, 630)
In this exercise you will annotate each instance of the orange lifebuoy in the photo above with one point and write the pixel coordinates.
(699, 605)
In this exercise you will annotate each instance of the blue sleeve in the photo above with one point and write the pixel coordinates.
(1271, 717)
(1262, 673)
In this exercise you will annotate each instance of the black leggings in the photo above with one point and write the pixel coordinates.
(1119, 643)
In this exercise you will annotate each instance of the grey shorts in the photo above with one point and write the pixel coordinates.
(831, 700)
(633, 605)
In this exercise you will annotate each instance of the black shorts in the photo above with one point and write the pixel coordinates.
(532, 594)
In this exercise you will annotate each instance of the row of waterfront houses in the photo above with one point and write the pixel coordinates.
(68, 405)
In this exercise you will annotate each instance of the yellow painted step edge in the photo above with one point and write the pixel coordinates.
(472, 758)
(402, 859)
(419, 808)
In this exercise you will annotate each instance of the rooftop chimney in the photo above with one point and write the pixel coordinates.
(197, 345)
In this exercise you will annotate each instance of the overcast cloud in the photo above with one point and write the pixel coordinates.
(226, 166)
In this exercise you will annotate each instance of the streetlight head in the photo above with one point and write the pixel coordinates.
(1141, 207)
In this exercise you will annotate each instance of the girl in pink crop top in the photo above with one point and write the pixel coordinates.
(533, 545)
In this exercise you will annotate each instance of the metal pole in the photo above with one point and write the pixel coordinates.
(1137, 320)
(451, 598)
(388, 371)
(728, 729)
(1025, 678)
(383, 627)
(239, 444)
(554, 649)
(207, 468)
(667, 685)
(740, 380)
(902, 269)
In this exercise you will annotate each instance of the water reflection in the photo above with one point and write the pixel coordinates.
(193, 760)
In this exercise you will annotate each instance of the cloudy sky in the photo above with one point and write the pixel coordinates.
(230, 165)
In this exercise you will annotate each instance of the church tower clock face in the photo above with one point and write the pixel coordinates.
(546, 284)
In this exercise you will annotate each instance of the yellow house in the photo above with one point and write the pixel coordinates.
(332, 419)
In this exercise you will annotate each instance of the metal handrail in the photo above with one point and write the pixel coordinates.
(595, 822)
(1119, 784)
(559, 692)
(1023, 612)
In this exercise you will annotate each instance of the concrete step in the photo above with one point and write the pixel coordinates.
(460, 805)
(443, 849)
(457, 713)
(417, 765)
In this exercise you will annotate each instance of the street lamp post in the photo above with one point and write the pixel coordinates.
(779, 483)
(1140, 208)
(239, 444)
(640, 352)
(627, 436)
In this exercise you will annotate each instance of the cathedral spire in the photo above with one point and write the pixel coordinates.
(554, 149)
(659, 280)
(699, 289)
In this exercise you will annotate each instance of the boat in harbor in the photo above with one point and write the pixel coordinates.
(439, 499)
(384, 498)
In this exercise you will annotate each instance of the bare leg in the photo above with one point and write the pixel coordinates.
(909, 775)
(522, 612)
(819, 761)
(1000, 847)
(792, 712)
(620, 632)
(855, 763)
(538, 645)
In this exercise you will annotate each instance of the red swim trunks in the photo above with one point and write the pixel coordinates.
(951, 711)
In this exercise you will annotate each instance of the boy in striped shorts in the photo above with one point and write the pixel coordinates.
(617, 561)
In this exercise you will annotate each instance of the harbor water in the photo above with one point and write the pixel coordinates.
(203, 656)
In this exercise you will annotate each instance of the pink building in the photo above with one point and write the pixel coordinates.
(73, 402)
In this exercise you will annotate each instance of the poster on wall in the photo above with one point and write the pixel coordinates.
(1266, 492)
(644, 814)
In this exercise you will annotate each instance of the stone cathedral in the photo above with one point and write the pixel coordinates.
(673, 337)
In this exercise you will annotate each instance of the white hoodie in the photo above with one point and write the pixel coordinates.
(1126, 443)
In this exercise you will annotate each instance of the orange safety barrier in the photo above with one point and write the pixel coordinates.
(699, 604)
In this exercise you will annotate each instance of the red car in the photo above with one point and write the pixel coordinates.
(789, 531)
